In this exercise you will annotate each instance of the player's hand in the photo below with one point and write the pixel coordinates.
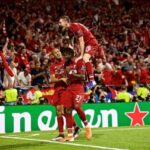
(78, 58)
(64, 80)
(7, 39)
(67, 70)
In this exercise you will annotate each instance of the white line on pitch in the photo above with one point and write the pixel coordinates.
(100, 130)
(55, 142)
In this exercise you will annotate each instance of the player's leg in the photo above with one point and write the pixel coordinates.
(77, 102)
(60, 122)
(82, 116)
(59, 114)
(77, 129)
(69, 123)
(66, 101)
(89, 69)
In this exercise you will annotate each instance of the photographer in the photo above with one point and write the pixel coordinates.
(98, 95)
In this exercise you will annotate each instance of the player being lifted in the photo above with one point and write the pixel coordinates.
(87, 43)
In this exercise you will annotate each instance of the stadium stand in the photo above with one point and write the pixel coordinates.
(29, 31)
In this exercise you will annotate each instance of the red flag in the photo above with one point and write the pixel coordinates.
(8, 69)
(113, 92)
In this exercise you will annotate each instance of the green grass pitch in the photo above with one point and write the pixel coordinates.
(121, 138)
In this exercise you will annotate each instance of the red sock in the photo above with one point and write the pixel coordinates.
(89, 69)
(69, 123)
(73, 122)
(60, 125)
(8, 69)
(70, 131)
(81, 115)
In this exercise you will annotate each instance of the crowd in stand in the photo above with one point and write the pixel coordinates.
(29, 31)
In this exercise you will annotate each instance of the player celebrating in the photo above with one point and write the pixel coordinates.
(74, 95)
(87, 43)
(57, 75)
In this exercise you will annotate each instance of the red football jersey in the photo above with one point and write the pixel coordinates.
(77, 68)
(79, 30)
(74, 93)
(57, 69)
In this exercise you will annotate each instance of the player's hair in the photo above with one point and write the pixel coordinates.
(65, 18)
(67, 50)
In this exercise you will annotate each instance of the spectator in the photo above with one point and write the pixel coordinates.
(37, 74)
(7, 78)
(7, 72)
(144, 74)
(143, 92)
(37, 95)
(124, 96)
(107, 75)
(122, 32)
(24, 78)
(11, 95)
(92, 98)
(118, 79)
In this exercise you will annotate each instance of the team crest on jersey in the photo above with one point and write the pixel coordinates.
(59, 70)
(83, 68)
(88, 48)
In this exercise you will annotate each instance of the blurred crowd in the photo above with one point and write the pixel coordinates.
(29, 31)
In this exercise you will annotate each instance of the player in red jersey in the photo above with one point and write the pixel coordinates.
(57, 76)
(74, 95)
(57, 73)
(87, 42)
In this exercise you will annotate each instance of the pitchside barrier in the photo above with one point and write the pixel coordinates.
(43, 117)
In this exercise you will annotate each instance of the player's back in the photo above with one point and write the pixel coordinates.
(79, 30)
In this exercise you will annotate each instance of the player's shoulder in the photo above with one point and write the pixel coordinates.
(63, 60)
(74, 25)
(53, 64)
(79, 61)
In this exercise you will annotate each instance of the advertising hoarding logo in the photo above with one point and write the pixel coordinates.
(137, 116)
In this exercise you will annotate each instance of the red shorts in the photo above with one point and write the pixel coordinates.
(91, 47)
(74, 95)
(56, 99)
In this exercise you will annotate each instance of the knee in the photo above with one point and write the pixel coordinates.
(58, 111)
(59, 114)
